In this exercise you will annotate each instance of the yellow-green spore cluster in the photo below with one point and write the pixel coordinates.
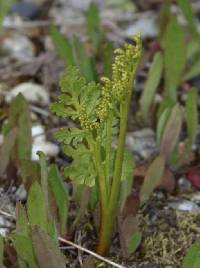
(124, 68)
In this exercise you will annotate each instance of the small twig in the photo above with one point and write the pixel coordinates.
(90, 252)
(6, 214)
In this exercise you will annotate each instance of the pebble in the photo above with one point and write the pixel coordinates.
(32, 92)
(48, 148)
(142, 143)
(41, 144)
(146, 25)
(19, 47)
(184, 205)
(184, 184)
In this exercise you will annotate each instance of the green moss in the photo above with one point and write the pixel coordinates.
(168, 244)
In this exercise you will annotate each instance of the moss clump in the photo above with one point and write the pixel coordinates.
(167, 240)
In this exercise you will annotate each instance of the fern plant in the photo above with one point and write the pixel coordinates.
(102, 112)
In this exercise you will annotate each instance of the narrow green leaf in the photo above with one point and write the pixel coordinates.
(46, 250)
(24, 248)
(152, 178)
(30, 171)
(1, 251)
(6, 149)
(24, 137)
(36, 208)
(107, 58)
(83, 61)
(192, 259)
(134, 242)
(192, 115)
(93, 25)
(62, 46)
(151, 85)
(174, 56)
(171, 133)
(22, 227)
(44, 180)
(161, 123)
(186, 8)
(60, 194)
(193, 71)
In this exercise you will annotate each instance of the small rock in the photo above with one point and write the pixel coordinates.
(26, 10)
(184, 184)
(142, 143)
(32, 92)
(41, 144)
(19, 47)
(147, 26)
(50, 149)
(184, 205)
(38, 133)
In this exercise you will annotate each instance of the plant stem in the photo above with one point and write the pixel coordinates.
(101, 176)
(107, 222)
(108, 149)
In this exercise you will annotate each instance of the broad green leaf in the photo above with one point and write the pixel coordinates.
(24, 249)
(46, 250)
(30, 171)
(134, 242)
(193, 71)
(1, 251)
(60, 194)
(22, 227)
(192, 259)
(24, 137)
(6, 149)
(17, 107)
(152, 178)
(44, 180)
(62, 46)
(171, 132)
(164, 17)
(186, 8)
(151, 85)
(192, 115)
(174, 56)
(93, 25)
(36, 207)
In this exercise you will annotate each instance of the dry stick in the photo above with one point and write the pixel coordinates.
(73, 245)
(91, 253)
(6, 214)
